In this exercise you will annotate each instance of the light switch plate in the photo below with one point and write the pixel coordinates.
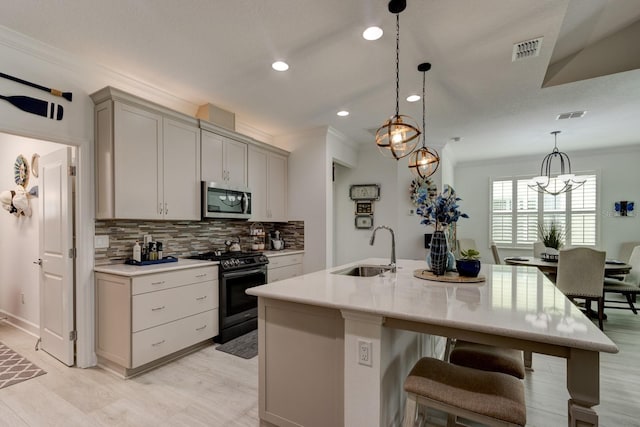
(101, 242)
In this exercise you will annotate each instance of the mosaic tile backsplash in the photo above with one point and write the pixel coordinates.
(182, 238)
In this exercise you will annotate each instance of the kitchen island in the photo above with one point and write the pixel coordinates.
(335, 349)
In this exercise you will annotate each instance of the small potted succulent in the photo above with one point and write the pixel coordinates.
(468, 265)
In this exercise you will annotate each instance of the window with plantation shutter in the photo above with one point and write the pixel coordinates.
(516, 211)
(502, 207)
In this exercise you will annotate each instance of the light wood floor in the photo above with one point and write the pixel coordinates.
(211, 388)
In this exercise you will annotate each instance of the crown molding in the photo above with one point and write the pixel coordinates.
(253, 132)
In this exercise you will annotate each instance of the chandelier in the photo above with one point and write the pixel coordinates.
(564, 182)
(397, 137)
(424, 161)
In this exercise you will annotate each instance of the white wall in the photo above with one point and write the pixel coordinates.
(307, 192)
(19, 243)
(619, 177)
(393, 209)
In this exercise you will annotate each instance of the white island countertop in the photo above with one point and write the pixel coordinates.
(513, 302)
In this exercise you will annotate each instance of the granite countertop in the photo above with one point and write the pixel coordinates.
(135, 270)
(514, 301)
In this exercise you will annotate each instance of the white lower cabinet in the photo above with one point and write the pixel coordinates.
(152, 344)
(284, 267)
(145, 318)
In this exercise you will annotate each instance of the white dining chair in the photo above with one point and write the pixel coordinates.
(496, 254)
(538, 249)
(464, 245)
(629, 287)
(581, 276)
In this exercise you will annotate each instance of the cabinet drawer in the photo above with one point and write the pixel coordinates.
(284, 260)
(151, 344)
(171, 279)
(155, 308)
(281, 273)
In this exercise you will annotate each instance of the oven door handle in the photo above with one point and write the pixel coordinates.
(232, 274)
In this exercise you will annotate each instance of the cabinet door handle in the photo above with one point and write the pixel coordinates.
(201, 328)
(201, 298)
(201, 275)
(166, 209)
(158, 283)
(160, 208)
(155, 344)
(158, 308)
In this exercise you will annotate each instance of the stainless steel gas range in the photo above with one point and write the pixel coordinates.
(237, 272)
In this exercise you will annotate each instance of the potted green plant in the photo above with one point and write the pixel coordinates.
(468, 265)
(552, 236)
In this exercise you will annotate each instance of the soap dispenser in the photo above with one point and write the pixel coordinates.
(137, 252)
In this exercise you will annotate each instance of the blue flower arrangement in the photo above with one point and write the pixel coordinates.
(440, 211)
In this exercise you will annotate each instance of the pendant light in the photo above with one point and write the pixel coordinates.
(397, 137)
(424, 162)
(564, 182)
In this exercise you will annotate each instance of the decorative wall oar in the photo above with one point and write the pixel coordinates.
(56, 92)
(36, 106)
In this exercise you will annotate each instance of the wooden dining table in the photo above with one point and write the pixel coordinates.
(611, 267)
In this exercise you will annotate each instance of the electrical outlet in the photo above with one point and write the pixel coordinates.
(364, 353)
(101, 242)
(22, 297)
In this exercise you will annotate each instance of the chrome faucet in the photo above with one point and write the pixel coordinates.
(393, 245)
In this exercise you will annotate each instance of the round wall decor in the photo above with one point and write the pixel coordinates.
(21, 171)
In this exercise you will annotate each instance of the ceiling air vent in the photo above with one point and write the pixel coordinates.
(572, 115)
(526, 49)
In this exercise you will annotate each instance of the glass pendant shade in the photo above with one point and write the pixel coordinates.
(564, 182)
(424, 162)
(397, 137)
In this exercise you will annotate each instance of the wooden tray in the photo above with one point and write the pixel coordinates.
(449, 276)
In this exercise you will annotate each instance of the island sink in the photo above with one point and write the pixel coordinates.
(364, 270)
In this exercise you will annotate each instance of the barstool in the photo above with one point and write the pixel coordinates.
(490, 398)
(488, 358)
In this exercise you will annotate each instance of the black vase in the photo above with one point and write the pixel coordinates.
(438, 255)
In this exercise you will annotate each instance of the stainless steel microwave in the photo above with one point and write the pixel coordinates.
(224, 201)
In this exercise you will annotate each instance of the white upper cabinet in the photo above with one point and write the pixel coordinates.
(224, 160)
(147, 160)
(268, 184)
(181, 170)
(137, 163)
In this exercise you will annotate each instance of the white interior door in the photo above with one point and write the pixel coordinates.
(56, 257)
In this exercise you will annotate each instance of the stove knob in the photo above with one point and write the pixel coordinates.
(225, 263)
(236, 262)
(263, 258)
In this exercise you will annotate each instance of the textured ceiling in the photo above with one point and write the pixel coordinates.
(219, 52)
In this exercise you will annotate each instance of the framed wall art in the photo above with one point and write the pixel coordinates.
(624, 208)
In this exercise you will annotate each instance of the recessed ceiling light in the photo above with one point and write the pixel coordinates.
(372, 33)
(413, 98)
(343, 113)
(280, 66)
